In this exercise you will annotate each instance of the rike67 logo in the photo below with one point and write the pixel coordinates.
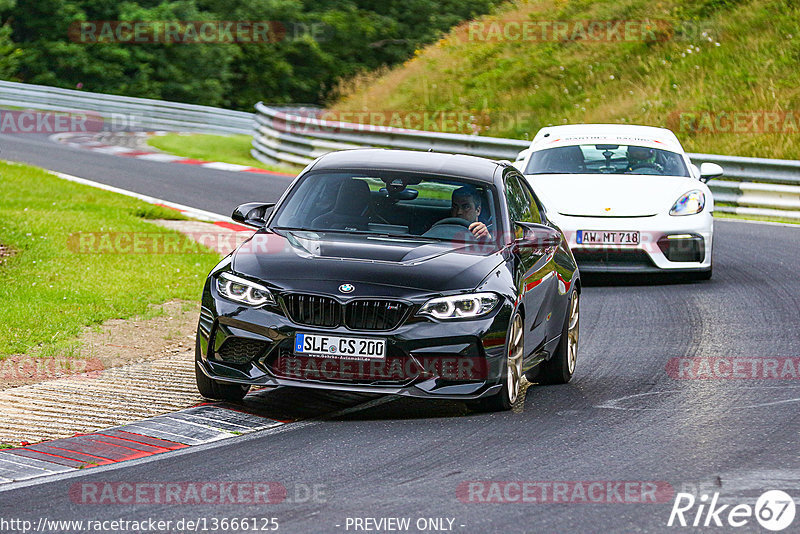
(774, 510)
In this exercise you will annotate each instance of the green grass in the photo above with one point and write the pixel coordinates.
(723, 56)
(721, 215)
(52, 288)
(225, 148)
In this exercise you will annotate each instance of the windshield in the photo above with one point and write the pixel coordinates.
(606, 159)
(406, 205)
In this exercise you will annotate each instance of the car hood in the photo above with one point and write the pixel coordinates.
(373, 264)
(610, 195)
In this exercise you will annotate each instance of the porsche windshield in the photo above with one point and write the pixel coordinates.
(606, 159)
(379, 202)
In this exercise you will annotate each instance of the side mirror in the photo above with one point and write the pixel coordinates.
(537, 236)
(518, 162)
(252, 214)
(709, 171)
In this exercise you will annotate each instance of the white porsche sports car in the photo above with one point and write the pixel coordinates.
(627, 197)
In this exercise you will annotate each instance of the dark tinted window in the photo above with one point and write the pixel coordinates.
(521, 205)
(606, 159)
(533, 206)
(385, 202)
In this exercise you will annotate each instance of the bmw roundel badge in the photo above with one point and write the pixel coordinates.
(346, 288)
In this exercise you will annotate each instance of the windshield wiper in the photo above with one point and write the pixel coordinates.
(321, 230)
(362, 232)
(411, 237)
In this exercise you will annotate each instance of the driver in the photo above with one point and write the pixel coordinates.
(466, 204)
(639, 156)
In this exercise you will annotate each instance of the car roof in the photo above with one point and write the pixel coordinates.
(458, 165)
(622, 134)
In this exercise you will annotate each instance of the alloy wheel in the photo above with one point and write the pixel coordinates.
(572, 332)
(515, 351)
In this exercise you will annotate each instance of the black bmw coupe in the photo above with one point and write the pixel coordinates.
(397, 272)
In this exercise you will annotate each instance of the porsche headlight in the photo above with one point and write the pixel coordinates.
(466, 306)
(689, 204)
(238, 289)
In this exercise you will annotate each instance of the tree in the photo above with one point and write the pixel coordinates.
(322, 41)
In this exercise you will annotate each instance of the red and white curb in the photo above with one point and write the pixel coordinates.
(89, 141)
(198, 425)
(156, 435)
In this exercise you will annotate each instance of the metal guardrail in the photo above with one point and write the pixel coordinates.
(752, 186)
(304, 138)
(773, 171)
(149, 114)
(755, 186)
(294, 135)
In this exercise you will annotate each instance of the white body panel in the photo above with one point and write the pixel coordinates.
(622, 202)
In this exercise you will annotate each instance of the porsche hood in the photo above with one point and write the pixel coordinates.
(611, 195)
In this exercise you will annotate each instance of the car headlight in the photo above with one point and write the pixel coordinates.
(689, 204)
(460, 306)
(241, 290)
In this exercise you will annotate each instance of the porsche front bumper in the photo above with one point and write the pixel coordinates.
(667, 243)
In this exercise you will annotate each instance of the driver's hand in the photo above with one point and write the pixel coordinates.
(479, 230)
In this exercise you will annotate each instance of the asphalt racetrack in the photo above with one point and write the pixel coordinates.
(638, 409)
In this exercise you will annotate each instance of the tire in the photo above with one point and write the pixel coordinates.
(512, 376)
(210, 388)
(561, 366)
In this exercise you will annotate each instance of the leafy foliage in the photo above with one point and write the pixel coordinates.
(324, 41)
(10, 54)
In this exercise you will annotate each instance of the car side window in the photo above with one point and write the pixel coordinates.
(517, 206)
(521, 205)
(533, 202)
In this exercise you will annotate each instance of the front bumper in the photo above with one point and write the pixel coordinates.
(668, 243)
(425, 358)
